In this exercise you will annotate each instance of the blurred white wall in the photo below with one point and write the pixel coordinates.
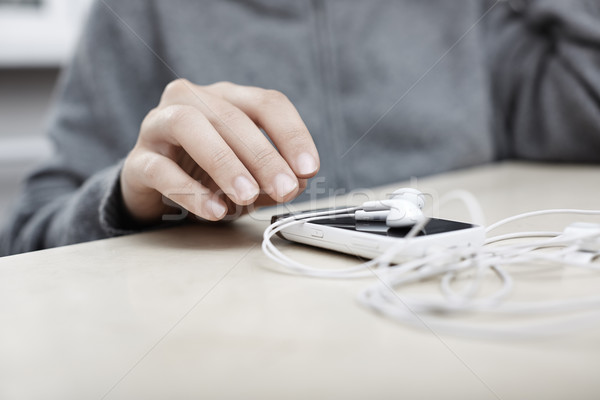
(35, 42)
(39, 33)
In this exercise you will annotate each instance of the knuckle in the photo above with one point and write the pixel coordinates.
(222, 85)
(168, 124)
(150, 118)
(187, 187)
(229, 116)
(295, 136)
(149, 165)
(175, 115)
(221, 159)
(269, 97)
(174, 88)
(265, 157)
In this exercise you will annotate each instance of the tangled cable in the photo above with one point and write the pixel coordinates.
(576, 247)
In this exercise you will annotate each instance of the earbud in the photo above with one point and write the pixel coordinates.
(403, 209)
(403, 213)
(410, 194)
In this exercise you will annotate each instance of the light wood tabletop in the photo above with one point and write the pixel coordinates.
(199, 312)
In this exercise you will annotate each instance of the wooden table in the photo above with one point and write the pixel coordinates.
(197, 312)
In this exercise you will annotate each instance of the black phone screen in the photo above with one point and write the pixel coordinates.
(433, 226)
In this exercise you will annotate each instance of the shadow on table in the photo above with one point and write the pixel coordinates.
(206, 236)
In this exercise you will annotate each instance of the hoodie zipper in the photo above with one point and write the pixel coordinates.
(327, 75)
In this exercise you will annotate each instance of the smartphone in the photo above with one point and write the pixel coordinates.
(368, 239)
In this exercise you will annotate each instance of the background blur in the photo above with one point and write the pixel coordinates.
(37, 38)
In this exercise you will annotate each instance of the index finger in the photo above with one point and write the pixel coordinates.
(275, 113)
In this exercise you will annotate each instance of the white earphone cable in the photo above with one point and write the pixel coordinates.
(473, 266)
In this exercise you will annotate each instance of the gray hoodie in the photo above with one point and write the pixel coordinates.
(388, 88)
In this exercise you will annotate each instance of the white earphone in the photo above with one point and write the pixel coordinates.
(575, 247)
(403, 209)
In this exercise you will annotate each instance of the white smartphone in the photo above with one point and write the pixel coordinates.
(370, 239)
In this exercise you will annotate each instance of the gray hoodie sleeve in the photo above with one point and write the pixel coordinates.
(75, 196)
(544, 58)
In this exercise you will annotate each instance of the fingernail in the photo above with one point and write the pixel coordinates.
(244, 189)
(284, 185)
(306, 164)
(217, 209)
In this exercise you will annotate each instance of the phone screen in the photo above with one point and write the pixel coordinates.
(434, 225)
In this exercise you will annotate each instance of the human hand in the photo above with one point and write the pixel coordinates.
(202, 148)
